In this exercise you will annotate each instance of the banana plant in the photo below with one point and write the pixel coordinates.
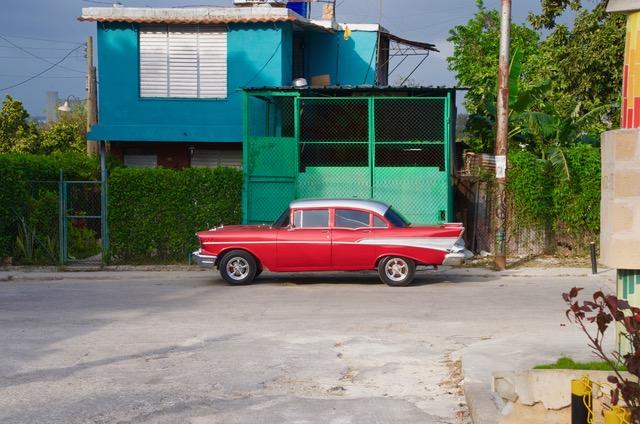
(551, 134)
(547, 133)
(483, 126)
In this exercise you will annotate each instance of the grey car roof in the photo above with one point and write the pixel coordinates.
(371, 205)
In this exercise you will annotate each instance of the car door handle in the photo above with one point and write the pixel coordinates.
(324, 231)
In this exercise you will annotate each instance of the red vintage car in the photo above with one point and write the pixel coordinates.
(331, 235)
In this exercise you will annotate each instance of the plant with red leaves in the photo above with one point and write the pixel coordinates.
(603, 311)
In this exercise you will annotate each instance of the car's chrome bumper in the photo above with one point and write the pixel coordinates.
(457, 258)
(204, 261)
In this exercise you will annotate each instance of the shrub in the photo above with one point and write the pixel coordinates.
(544, 198)
(28, 189)
(577, 200)
(155, 212)
(530, 187)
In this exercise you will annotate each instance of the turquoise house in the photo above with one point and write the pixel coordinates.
(170, 80)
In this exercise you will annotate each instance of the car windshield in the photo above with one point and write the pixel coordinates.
(283, 221)
(395, 218)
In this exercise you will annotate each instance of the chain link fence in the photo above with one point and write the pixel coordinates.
(55, 223)
(83, 221)
(395, 149)
(33, 225)
(475, 207)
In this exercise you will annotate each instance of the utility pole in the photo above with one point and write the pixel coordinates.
(502, 131)
(92, 104)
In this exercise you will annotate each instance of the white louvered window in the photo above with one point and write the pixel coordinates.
(188, 61)
(211, 158)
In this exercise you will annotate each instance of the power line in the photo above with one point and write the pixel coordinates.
(31, 58)
(37, 48)
(40, 73)
(110, 3)
(53, 76)
(39, 57)
(75, 43)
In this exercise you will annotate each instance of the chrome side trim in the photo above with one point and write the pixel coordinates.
(204, 261)
(444, 244)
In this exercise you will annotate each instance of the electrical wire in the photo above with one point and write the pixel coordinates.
(43, 39)
(52, 76)
(37, 48)
(40, 57)
(264, 66)
(41, 72)
(110, 3)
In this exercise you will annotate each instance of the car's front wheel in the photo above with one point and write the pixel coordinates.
(238, 267)
(396, 271)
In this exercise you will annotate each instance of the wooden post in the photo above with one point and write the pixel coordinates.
(502, 130)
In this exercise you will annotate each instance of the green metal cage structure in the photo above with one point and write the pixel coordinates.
(390, 144)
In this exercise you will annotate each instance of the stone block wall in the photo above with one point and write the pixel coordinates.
(620, 205)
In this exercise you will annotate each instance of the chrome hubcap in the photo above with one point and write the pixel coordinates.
(237, 268)
(397, 269)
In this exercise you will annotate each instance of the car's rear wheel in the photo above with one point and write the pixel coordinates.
(238, 267)
(396, 271)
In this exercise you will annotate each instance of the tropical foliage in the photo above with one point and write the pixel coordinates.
(564, 86)
(20, 134)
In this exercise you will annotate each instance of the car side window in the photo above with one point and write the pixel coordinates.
(312, 218)
(347, 218)
(378, 222)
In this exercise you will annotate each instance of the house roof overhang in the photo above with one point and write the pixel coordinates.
(197, 15)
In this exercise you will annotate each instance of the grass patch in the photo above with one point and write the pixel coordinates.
(565, 363)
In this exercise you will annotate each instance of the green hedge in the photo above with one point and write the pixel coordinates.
(577, 201)
(154, 212)
(29, 190)
(543, 198)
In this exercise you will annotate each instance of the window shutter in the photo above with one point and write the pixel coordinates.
(183, 61)
(153, 61)
(187, 61)
(213, 61)
(211, 158)
(140, 161)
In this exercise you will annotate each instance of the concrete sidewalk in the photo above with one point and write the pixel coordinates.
(28, 273)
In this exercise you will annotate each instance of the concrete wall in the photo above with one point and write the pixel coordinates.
(258, 55)
(620, 205)
(348, 62)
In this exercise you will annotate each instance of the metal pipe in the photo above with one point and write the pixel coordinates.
(502, 131)
(103, 203)
(594, 263)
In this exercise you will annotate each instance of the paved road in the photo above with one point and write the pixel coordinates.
(168, 347)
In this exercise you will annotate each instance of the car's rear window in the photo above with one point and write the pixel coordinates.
(347, 218)
(395, 218)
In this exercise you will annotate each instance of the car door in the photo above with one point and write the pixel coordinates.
(352, 246)
(306, 244)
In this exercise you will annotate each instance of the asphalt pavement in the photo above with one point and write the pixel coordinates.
(176, 346)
